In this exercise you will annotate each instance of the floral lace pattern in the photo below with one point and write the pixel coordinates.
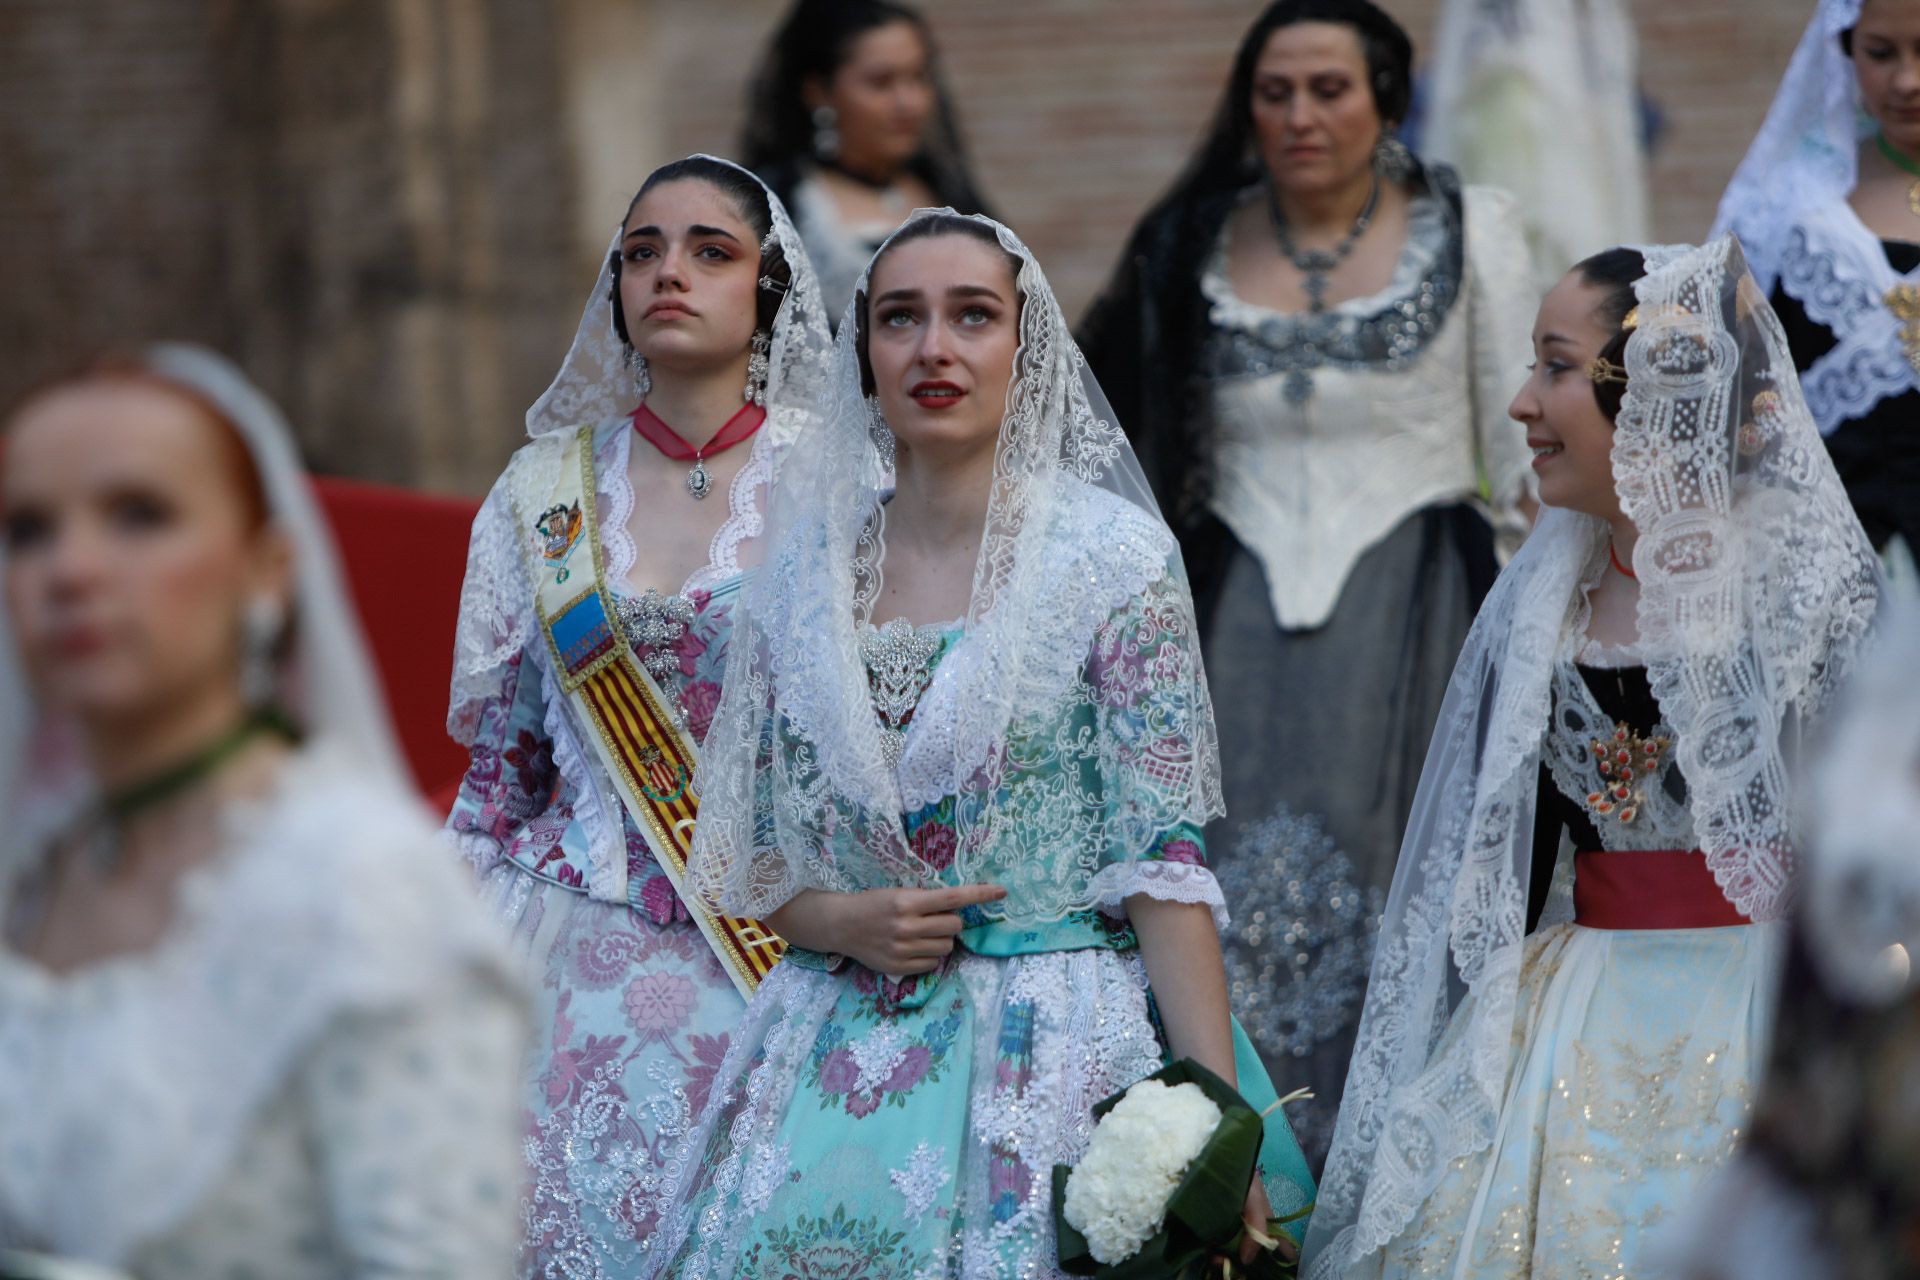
(1078, 641)
(1840, 273)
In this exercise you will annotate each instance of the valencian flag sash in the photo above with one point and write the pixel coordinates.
(637, 731)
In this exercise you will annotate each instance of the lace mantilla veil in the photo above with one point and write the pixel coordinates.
(1757, 588)
(595, 383)
(1071, 719)
(325, 683)
(1807, 149)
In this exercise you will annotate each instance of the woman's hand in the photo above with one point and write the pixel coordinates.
(1255, 1215)
(898, 932)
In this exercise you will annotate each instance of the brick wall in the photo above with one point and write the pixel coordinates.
(390, 210)
(1078, 112)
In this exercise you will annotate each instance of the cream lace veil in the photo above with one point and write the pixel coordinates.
(1757, 588)
(1070, 722)
(325, 682)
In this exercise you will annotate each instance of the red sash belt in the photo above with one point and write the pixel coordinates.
(1649, 889)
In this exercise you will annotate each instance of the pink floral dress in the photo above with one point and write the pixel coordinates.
(634, 1013)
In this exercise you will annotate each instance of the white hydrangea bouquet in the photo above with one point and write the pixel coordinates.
(1159, 1193)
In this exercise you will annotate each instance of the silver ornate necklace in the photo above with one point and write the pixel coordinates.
(653, 623)
(1316, 265)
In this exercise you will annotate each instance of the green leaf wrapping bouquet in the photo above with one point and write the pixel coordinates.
(1160, 1190)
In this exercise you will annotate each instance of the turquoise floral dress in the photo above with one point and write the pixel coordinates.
(634, 1013)
(867, 1128)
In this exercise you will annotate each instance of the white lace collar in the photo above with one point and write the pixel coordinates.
(746, 508)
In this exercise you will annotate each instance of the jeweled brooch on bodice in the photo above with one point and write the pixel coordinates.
(1903, 300)
(653, 623)
(899, 661)
(1625, 761)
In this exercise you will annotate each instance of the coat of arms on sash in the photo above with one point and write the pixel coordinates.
(609, 652)
(557, 533)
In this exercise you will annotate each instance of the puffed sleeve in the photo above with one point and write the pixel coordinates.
(496, 708)
(1158, 721)
(416, 1119)
(1502, 302)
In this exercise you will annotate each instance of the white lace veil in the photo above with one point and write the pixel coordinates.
(326, 682)
(1071, 721)
(596, 382)
(1808, 149)
(1757, 586)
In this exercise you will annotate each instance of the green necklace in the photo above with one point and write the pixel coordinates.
(1906, 165)
(117, 807)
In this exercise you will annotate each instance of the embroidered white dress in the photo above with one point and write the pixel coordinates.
(1637, 1052)
(311, 1076)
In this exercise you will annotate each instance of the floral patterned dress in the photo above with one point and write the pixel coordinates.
(634, 1013)
(873, 1128)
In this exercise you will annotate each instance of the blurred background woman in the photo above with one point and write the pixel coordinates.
(250, 1023)
(1312, 339)
(1827, 202)
(852, 129)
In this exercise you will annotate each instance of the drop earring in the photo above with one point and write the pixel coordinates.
(757, 368)
(260, 632)
(826, 136)
(1392, 160)
(637, 366)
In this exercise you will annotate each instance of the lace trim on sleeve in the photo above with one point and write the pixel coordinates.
(1167, 881)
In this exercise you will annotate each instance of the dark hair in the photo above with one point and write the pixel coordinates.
(1383, 42)
(1846, 42)
(815, 41)
(922, 228)
(749, 200)
(1151, 315)
(1616, 271)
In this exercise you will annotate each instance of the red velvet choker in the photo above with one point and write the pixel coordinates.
(657, 433)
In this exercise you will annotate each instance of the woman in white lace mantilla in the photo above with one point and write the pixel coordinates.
(963, 757)
(1530, 1098)
(250, 1023)
(1311, 341)
(701, 349)
(1827, 205)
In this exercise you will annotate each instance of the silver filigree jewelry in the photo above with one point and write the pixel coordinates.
(899, 660)
(826, 134)
(881, 433)
(653, 623)
(758, 367)
(1316, 265)
(1392, 160)
(637, 365)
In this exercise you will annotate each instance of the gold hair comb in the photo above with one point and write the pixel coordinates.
(1601, 369)
(1630, 321)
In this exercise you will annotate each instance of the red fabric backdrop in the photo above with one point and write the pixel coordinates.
(405, 555)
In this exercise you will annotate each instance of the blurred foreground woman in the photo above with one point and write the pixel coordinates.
(250, 1024)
